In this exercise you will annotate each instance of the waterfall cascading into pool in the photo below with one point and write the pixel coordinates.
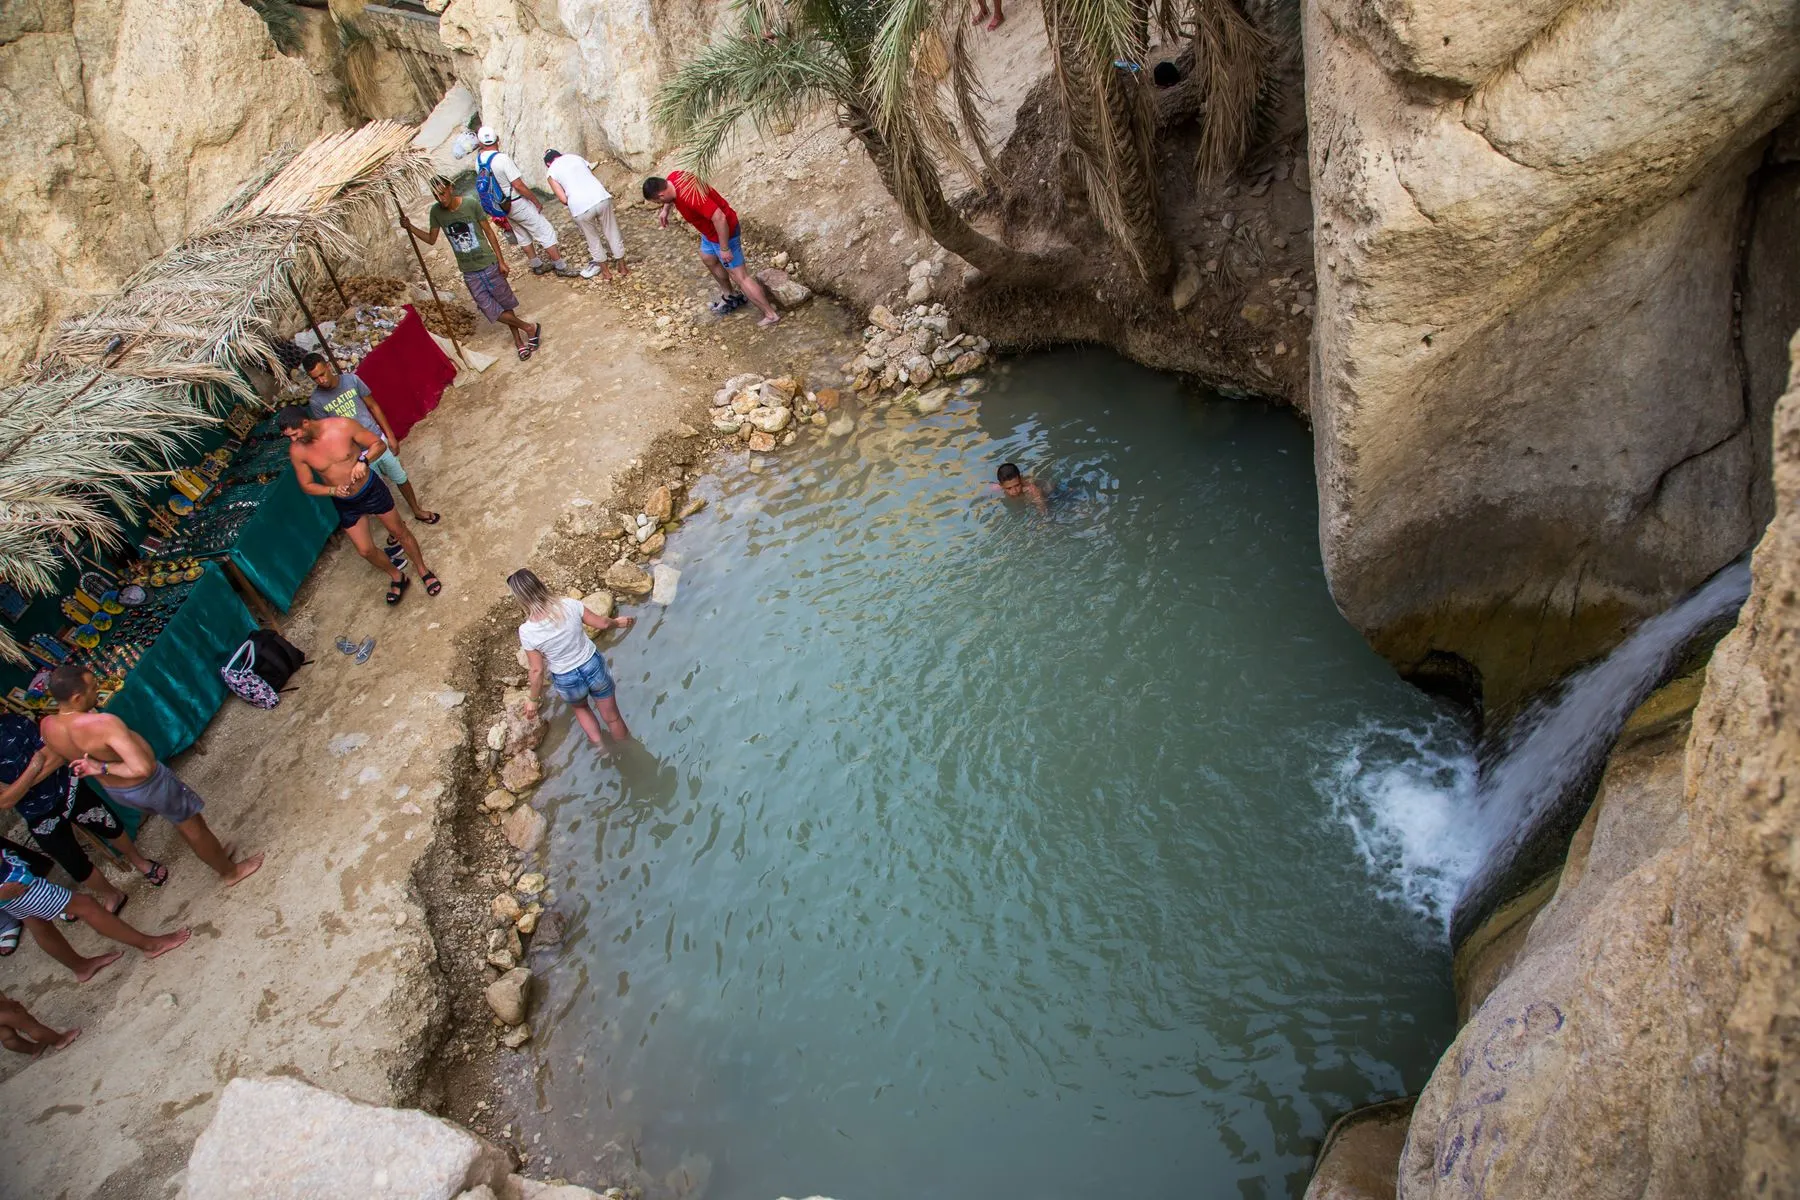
(1441, 831)
(969, 853)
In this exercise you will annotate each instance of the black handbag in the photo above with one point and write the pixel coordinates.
(274, 658)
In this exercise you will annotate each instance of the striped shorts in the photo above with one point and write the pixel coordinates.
(43, 899)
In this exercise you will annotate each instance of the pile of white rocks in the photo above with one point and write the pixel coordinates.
(923, 346)
(767, 413)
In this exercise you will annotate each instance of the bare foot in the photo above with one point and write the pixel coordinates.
(981, 12)
(771, 319)
(167, 942)
(95, 965)
(624, 270)
(244, 870)
(999, 18)
(62, 1042)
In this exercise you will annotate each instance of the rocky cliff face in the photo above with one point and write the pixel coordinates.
(128, 122)
(1643, 1043)
(1535, 419)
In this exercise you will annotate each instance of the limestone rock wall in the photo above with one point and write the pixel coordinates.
(1532, 404)
(128, 122)
(1645, 1041)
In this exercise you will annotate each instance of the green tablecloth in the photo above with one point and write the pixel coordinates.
(175, 689)
(279, 544)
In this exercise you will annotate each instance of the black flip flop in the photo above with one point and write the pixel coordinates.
(157, 875)
(432, 584)
(433, 519)
(397, 590)
(124, 899)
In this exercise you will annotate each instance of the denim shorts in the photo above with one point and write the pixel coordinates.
(735, 243)
(588, 681)
(389, 468)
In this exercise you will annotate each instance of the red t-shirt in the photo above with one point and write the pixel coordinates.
(697, 203)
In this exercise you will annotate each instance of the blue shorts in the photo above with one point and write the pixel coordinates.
(735, 244)
(372, 501)
(588, 681)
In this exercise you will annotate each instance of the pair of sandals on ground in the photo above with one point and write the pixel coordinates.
(156, 876)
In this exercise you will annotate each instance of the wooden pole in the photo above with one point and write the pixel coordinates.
(306, 312)
(429, 282)
(332, 275)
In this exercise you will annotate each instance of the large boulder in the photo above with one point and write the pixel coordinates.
(280, 1139)
(1532, 421)
(1640, 1044)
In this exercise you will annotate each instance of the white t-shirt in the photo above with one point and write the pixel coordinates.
(563, 643)
(584, 190)
(504, 169)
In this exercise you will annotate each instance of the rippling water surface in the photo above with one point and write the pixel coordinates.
(971, 855)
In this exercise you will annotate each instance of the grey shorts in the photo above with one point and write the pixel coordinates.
(163, 794)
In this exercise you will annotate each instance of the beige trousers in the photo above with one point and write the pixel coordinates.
(601, 220)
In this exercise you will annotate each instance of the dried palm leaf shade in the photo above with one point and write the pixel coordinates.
(96, 426)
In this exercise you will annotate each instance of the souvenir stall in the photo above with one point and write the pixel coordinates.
(155, 504)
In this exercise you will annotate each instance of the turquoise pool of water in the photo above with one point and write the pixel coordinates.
(967, 853)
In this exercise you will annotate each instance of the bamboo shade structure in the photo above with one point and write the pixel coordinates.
(105, 416)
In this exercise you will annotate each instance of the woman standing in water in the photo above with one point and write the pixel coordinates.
(555, 639)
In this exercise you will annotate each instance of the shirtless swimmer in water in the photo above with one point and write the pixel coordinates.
(1014, 485)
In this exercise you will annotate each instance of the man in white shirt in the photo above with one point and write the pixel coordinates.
(523, 211)
(572, 178)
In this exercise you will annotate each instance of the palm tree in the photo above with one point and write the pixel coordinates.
(1107, 113)
(881, 64)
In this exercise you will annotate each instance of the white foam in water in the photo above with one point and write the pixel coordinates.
(1427, 822)
(1405, 794)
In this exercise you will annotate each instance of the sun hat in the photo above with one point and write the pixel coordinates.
(486, 135)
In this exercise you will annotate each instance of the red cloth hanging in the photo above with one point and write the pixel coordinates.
(407, 373)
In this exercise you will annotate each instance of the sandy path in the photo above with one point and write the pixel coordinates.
(321, 966)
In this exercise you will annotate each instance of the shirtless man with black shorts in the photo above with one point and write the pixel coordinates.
(331, 458)
(101, 747)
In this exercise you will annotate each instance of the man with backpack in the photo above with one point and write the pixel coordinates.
(503, 192)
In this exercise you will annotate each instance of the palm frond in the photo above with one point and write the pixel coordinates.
(1107, 114)
(1231, 61)
(753, 74)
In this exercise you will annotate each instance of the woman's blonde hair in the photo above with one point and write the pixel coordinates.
(532, 595)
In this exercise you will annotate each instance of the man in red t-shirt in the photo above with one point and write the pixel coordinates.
(721, 249)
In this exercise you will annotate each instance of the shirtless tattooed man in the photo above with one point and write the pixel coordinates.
(331, 458)
(101, 747)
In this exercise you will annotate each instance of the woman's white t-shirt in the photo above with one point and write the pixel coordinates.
(563, 642)
(584, 190)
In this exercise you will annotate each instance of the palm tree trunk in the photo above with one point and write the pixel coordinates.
(930, 209)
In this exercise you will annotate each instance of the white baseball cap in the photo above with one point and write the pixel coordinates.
(486, 135)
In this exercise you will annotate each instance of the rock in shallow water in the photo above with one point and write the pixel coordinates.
(524, 828)
(628, 577)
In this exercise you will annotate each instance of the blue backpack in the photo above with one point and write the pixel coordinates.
(494, 200)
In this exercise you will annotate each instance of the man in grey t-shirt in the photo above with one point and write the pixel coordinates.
(347, 396)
